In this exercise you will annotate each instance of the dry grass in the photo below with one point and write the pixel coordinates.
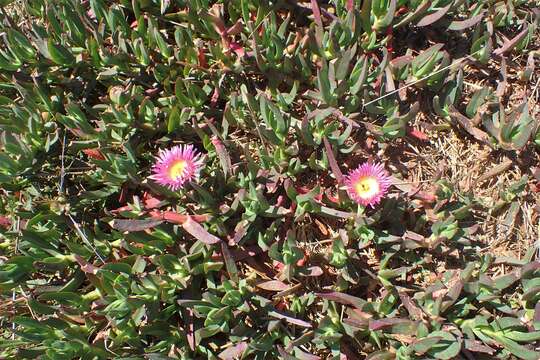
(464, 164)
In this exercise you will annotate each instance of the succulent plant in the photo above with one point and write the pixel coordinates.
(267, 253)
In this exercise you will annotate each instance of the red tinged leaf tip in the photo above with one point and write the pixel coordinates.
(237, 48)
(290, 319)
(233, 351)
(273, 285)
(201, 57)
(402, 10)
(303, 260)
(282, 305)
(215, 97)
(94, 154)
(121, 209)
(278, 266)
(134, 225)
(425, 196)
(316, 13)
(332, 160)
(123, 194)
(417, 134)
(86, 267)
(176, 218)
(150, 202)
(152, 92)
(198, 232)
(390, 41)
(5, 222)
(331, 197)
(135, 23)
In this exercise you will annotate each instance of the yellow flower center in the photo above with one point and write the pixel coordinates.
(177, 169)
(367, 187)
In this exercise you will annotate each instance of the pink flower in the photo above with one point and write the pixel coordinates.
(176, 166)
(367, 184)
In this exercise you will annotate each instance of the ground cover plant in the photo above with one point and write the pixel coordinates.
(285, 179)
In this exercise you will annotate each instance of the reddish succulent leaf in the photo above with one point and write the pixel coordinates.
(302, 355)
(529, 268)
(122, 208)
(5, 222)
(414, 311)
(284, 355)
(342, 298)
(190, 333)
(331, 197)
(318, 21)
(229, 262)
(198, 232)
(385, 323)
(86, 267)
(223, 155)
(273, 285)
(234, 351)
(150, 202)
(536, 173)
(452, 295)
(402, 10)
(94, 154)
(299, 355)
(510, 44)
(381, 355)
(316, 13)
(201, 57)
(278, 266)
(417, 134)
(462, 25)
(332, 160)
(413, 236)
(290, 319)
(425, 196)
(282, 305)
(477, 346)
(248, 252)
(152, 92)
(169, 216)
(390, 41)
(123, 194)
(174, 217)
(423, 345)
(401, 61)
(236, 28)
(239, 233)
(467, 124)
(218, 23)
(313, 271)
(215, 97)
(537, 312)
(336, 213)
(237, 48)
(437, 15)
(132, 225)
(501, 86)
(345, 119)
